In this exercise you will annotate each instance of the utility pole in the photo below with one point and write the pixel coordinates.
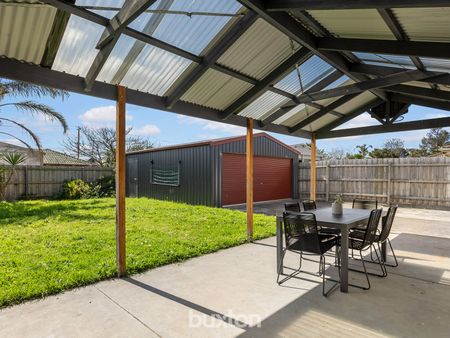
(78, 142)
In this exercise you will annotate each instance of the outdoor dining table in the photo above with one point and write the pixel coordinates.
(350, 218)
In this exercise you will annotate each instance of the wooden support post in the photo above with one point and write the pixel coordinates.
(249, 176)
(313, 168)
(120, 182)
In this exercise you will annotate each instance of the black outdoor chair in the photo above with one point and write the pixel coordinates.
(363, 241)
(295, 207)
(364, 204)
(302, 236)
(383, 236)
(309, 205)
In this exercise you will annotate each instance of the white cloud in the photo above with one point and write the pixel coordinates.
(362, 120)
(146, 130)
(104, 116)
(435, 116)
(214, 127)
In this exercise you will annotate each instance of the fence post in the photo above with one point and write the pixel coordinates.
(327, 182)
(389, 184)
(25, 181)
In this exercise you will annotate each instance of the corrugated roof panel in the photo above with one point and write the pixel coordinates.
(191, 33)
(25, 29)
(343, 80)
(440, 65)
(425, 24)
(263, 106)
(357, 102)
(292, 118)
(311, 72)
(258, 51)
(154, 71)
(384, 59)
(216, 90)
(355, 23)
(321, 122)
(77, 49)
(296, 114)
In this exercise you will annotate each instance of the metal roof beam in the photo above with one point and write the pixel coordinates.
(294, 30)
(392, 47)
(322, 112)
(361, 110)
(285, 5)
(439, 95)
(212, 56)
(361, 68)
(387, 128)
(391, 21)
(16, 70)
(420, 101)
(291, 104)
(274, 76)
(389, 80)
(130, 10)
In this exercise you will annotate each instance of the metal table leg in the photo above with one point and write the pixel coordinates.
(279, 243)
(344, 259)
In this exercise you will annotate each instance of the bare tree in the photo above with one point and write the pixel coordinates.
(99, 145)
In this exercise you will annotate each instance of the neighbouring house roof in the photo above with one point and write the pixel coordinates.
(305, 151)
(215, 142)
(52, 157)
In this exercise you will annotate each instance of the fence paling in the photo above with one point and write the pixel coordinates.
(47, 181)
(418, 181)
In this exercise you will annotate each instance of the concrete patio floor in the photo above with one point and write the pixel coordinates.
(233, 293)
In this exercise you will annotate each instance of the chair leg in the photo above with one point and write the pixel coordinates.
(380, 261)
(294, 273)
(324, 279)
(365, 271)
(393, 254)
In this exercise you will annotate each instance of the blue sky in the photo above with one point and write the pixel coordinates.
(167, 128)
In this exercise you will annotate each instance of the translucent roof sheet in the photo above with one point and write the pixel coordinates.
(386, 60)
(311, 71)
(439, 65)
(191, 33)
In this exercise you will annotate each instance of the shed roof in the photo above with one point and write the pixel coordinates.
(296, 66)
(215, 142)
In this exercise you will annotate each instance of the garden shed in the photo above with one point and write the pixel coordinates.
(214, 172)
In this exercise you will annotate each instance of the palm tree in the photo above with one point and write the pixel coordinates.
(364, 150)
(16, 89)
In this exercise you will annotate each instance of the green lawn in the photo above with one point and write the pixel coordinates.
(50, 246)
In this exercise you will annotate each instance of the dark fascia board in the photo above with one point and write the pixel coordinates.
(362, 68)
(286, 5)
(420, 101)
(21, 71)
(387, 128)
(392, 47)
(439, 95)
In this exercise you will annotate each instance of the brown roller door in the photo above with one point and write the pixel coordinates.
(272, 178)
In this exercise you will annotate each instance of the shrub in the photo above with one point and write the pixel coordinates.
(75, 189)
(106, 186)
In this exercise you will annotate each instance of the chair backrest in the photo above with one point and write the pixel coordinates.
(309, 205)
(364, 204)
(387, 223)
(372, 226)
(301, 232)
(292, 207)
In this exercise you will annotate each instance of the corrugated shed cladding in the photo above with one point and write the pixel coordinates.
(263, 146)
(195, 174)
(25, 32)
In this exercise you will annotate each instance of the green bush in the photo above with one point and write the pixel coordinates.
(75, 189)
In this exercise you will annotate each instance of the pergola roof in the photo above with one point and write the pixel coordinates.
(296, 67)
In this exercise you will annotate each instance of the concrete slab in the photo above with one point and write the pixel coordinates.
(233, 293)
